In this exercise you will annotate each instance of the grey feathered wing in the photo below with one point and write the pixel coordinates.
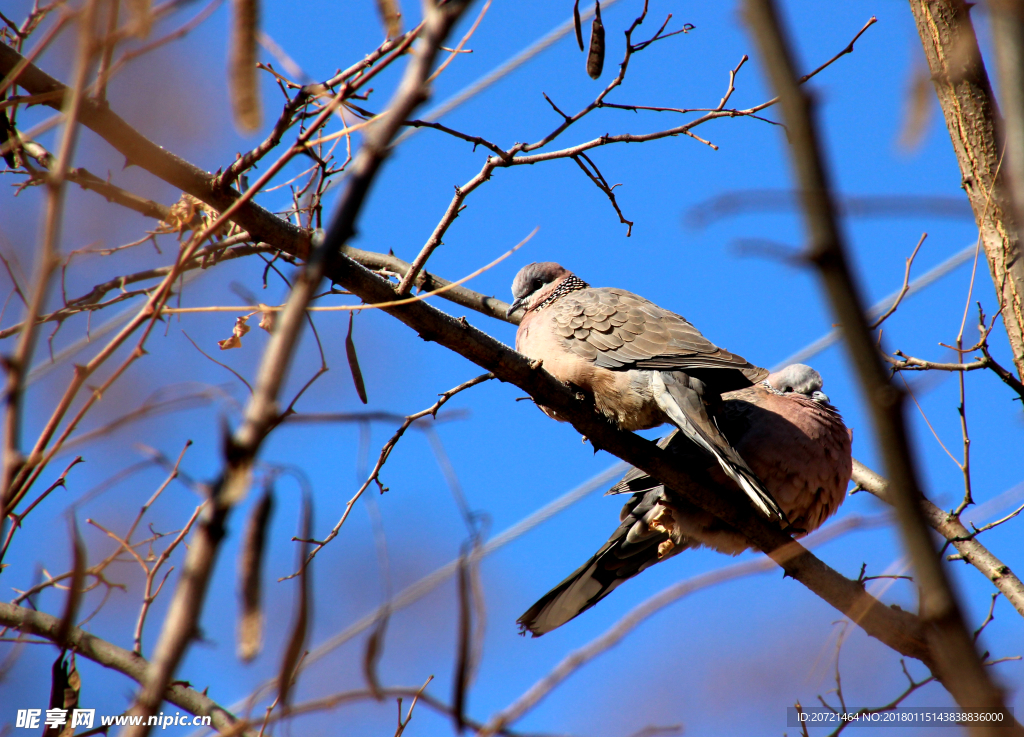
(617, 330)
(802, 445)
(681, 398)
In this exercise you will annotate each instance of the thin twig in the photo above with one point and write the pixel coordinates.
(385, 453)
(969, 549)
(904, 289)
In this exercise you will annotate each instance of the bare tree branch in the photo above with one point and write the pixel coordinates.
(951, 528)
(898, 629)
(142, 152)
(972, 117)
(17, 365)
(904, 289)
(124, 661)
(262, 412)
(956, 661)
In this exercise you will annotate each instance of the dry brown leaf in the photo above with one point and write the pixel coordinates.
(141, 13)
(268, 318)
(191, 213)
(240, 329)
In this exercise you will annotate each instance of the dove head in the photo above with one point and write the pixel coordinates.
(540, 283)
(798, 378)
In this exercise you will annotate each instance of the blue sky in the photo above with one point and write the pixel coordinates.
(724, 661)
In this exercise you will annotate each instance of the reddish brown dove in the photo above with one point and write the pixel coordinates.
(644, 365)
(792, 438)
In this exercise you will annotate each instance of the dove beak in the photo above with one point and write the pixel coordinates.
(514, 306)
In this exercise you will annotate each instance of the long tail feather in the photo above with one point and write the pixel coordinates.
(685, 407)
(632, 548)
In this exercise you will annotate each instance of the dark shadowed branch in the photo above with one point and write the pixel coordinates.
(261, 413)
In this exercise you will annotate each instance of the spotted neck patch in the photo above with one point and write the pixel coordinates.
(572, 283)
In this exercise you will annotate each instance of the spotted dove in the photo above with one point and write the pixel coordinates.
(644, 365)
(791, 437)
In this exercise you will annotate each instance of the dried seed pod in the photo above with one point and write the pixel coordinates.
(6, 129)
(353, 362)
(67, 622)
(65, 687)
(371, 655)
(464, 652)
(244, 86)
(595, 59)
(578, 23)
(250, 575)
(300, 625)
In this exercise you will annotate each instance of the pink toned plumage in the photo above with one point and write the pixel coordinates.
(643, 365)
(789, 434)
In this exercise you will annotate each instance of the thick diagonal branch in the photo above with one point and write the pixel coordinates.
(111, 656)
(262, 413)
(951, 528)
(898, 629)
(956, 661)
(972, 117)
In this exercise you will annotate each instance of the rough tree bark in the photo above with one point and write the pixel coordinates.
(972, 117)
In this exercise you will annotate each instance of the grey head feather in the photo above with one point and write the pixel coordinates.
(533, 277)
(798, 378)
(538, 284)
